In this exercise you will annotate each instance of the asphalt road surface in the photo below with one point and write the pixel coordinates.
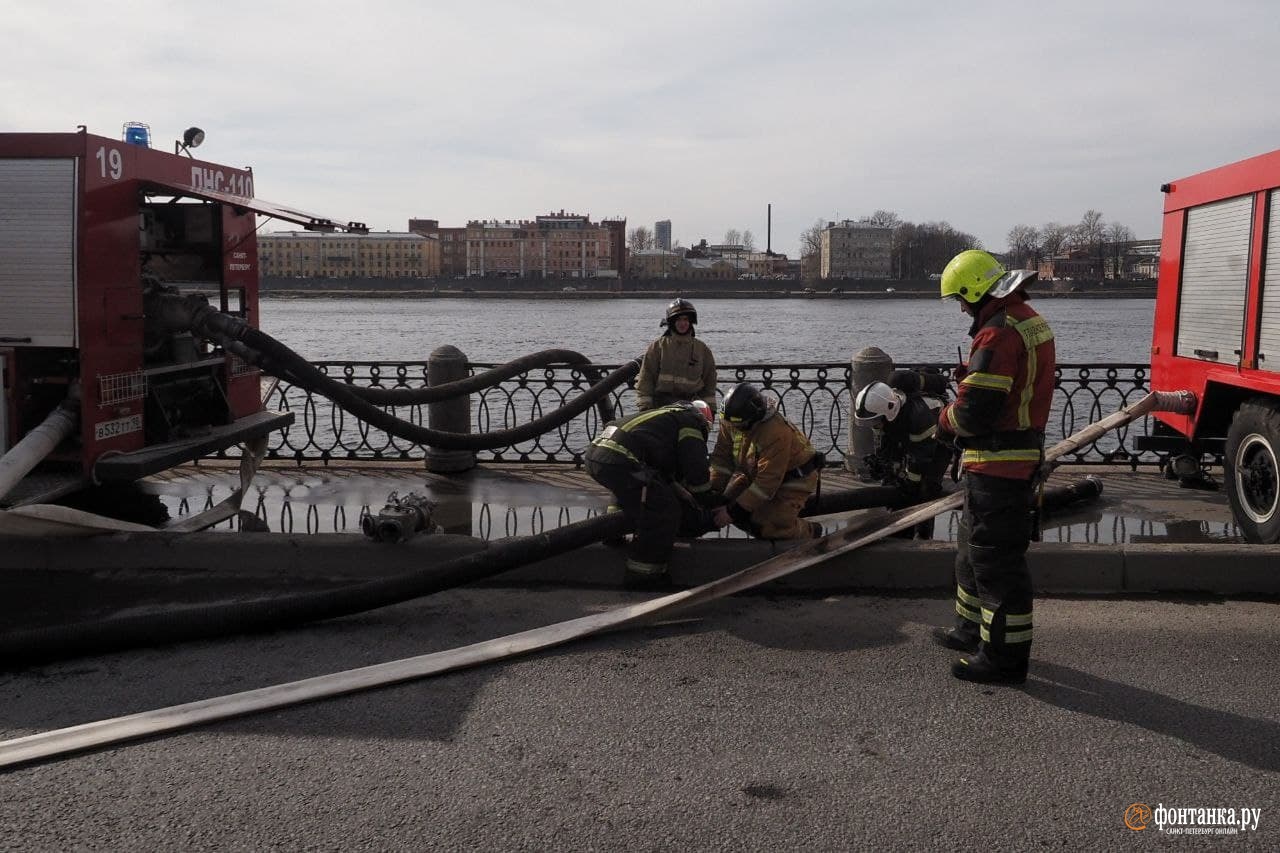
(757, 724)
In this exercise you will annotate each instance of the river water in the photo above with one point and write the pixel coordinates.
(739, 331)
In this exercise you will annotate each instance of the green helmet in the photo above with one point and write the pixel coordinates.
(973, 274)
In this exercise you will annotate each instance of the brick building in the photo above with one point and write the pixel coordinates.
(453, 244)
(319, 254)
(558, 245)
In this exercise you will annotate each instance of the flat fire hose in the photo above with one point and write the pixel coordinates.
(147, 723)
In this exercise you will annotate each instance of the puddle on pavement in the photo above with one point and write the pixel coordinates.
(496, 509)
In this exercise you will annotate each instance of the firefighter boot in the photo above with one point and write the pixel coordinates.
(982, 669)
(959, 639)
(614, 541)
(646, 576)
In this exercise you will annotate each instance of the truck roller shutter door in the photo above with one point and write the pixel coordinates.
(1269, 340)
(37, 252)
(1215, 278)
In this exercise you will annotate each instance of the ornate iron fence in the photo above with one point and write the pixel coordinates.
(813, 396)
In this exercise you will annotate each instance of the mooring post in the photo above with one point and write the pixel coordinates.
(870, 364)
(448, 364)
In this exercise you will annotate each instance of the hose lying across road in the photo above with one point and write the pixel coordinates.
(89, 735)
(33, 646)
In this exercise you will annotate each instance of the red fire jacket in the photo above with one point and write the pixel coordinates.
(1000, 412)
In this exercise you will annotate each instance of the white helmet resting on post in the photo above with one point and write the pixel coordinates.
(876, 401)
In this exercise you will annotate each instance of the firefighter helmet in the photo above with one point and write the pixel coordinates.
(708, 413)
(680, 307)
(973, 274)
(744, 406)
(876, 401)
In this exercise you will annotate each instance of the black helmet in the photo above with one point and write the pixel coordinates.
(678, 307)
(744, 406)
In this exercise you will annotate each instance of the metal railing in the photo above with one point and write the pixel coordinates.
(815, 397)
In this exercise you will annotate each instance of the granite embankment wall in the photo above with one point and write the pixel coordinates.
(648, 288)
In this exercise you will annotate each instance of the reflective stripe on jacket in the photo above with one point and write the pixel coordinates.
(671, 440)
(764, 455)
(676, 367)
(1002, 407)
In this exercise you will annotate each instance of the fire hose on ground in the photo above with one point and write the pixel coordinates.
(28, 647)
(103, 732)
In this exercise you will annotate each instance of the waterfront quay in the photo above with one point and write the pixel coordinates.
(814, 713)
(821, 722)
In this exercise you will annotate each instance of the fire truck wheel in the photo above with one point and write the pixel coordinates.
(1253, 470)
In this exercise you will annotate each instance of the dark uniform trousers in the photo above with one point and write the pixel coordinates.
(993, 583)
(650, 501)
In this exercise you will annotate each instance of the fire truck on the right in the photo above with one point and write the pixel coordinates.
(1217, 333)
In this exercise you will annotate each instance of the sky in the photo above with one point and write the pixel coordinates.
(981, 114)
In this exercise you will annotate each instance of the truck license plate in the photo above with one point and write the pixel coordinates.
(120, 426)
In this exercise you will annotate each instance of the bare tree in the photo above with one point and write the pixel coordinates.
(922, 250)
(1117, 238)
(640, 238)
(1024, 246)
(811, 250)
(748, 240)
(1089, 235)
(733, 237)
(1054, 237)
(883, 218)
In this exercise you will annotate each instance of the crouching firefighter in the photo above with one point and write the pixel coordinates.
(763, 468)
(655, 464)
(904, 414)
(998, 419)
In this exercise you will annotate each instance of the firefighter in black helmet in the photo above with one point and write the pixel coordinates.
(655, 463)
(764, 466)
(677, 366)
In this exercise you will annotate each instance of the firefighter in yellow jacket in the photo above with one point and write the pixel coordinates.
(677, 366)
(764, 466)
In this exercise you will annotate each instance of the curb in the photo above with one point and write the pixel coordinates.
(1057, 568)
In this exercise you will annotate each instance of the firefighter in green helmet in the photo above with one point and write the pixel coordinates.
(997, 420)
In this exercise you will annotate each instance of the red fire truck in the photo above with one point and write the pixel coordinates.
(88, 224)
(1217, 332)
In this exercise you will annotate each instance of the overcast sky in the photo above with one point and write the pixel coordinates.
(983, 114)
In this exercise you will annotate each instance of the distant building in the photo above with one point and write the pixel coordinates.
(662, 235)
(558, 245)
(855, 250)
(318, 254)
(617, 228)
(1071, 264)
(453, 244)
(655, 263)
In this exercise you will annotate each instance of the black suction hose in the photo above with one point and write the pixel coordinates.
(459, 387)
(172, 312)
(40, 645)
(309, 376)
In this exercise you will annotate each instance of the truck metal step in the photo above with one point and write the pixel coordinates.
(149, 460)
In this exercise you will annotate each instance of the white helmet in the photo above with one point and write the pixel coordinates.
(877, 400)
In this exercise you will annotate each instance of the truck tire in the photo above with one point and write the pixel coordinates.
(1253, 470)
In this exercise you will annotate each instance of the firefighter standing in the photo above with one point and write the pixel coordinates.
(998, 419)
(764, 467)
(655, 463)
(904, 414)
(677, 366)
